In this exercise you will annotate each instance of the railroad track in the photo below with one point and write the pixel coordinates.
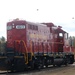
(34, 72)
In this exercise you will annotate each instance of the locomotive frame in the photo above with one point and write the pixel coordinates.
(35, 45)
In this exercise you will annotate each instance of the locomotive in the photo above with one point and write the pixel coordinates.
(35, 45)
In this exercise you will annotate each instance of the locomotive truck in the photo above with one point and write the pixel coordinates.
(35, 45)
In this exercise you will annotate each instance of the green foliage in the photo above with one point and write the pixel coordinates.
(2, 44)
(3, 39)
(72, 41)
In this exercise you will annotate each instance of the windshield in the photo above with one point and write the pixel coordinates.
(9, 27)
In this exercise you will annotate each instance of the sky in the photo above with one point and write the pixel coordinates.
(60, 12)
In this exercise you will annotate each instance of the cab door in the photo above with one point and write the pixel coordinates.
(60, 42)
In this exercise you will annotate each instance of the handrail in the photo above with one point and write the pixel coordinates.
(26, 53)
(57, 42)
(31, 50)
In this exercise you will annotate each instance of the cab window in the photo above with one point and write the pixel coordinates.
(20, 26)
(60, 35)
(9, 27)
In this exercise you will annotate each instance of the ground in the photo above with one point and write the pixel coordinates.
(64, 70)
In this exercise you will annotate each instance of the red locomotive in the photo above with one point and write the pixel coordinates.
(36, 45)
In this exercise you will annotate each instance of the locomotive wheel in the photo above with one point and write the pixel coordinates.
(59, 65)
(65, 62)
(39, 67)
(19, 65)
(12, 68)
(38, 64)
(68, 60)
(9, 64)
(32, 65)
(54, 65)
(71, 60)
(46, 65)
(42, 64)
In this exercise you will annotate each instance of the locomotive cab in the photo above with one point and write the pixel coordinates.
(60, 42)
(59, 39)
(16, 30)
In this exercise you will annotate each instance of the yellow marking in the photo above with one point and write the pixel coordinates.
(57, 42)
(26, 53)
(57, 54)
(38, 36)
(3, 57)
(51, 55)
(18, 56)
(31, 50)
(45, 54)
(10, 52)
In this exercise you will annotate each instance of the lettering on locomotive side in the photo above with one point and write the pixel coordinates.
(38, 36)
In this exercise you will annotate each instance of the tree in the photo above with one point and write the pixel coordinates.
(3, 39)
(72, 41)
(2, 44)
